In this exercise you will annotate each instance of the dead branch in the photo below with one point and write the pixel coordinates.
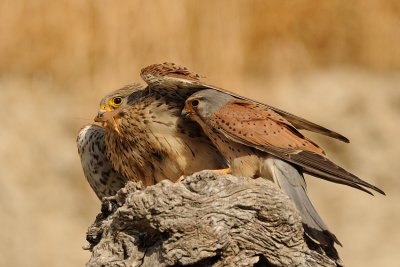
(207, 220)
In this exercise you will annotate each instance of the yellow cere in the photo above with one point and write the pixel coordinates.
(104, 107)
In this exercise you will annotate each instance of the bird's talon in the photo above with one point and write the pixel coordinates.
(223, 171)
(180, 179)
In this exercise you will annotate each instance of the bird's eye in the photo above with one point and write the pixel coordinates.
(195, 103)
(116, 101)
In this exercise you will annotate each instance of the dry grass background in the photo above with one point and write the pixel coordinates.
(334, 62)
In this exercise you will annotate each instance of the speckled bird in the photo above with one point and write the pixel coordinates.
(97, 167)
(147, 140)
(258, 142)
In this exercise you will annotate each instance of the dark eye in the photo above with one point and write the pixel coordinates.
(117, 100)
(195, 103)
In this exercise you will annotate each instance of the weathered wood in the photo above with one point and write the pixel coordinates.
(206, 220)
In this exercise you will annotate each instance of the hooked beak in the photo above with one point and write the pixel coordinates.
(100, 115)
(186, 113)
(109, 117)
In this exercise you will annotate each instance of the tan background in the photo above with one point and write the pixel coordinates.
(336, 63)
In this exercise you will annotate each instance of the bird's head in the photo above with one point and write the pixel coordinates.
(201, 105)
(113, 104)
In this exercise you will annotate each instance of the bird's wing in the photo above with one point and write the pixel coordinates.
(97, 168)
(168, 72)
(170, 75)
(257, 126)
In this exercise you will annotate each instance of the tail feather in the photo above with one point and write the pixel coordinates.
(292, 182)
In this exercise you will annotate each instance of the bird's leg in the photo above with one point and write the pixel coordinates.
(223, 171)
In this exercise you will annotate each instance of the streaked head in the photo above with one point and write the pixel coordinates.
(115, 100)
(202, 104)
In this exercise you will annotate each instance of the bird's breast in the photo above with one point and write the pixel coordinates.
(153, 143)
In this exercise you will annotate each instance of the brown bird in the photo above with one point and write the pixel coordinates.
(147, 140)
(97, 168)
(259, 142)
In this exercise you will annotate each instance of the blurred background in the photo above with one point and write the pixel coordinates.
(336, 63)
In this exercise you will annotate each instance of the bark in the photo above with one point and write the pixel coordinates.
(206, 220)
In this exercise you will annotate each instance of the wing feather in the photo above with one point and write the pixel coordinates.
(97, 168)
(172, 76)
(256, 126)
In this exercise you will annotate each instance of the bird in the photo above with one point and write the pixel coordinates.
(147, 141)
(97, 167)
(146, 138)
(257, 141)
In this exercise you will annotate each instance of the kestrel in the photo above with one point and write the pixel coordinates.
(97, 168)
(259, 142)
(147, 140)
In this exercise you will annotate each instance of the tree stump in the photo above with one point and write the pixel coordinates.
(206, 220)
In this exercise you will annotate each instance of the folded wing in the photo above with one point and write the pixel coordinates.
(257, 126)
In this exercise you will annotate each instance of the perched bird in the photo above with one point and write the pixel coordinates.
(147, 140)
(259, 142)
(97, 168)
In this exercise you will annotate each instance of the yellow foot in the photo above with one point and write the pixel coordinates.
(180, 179)
(224, 171)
